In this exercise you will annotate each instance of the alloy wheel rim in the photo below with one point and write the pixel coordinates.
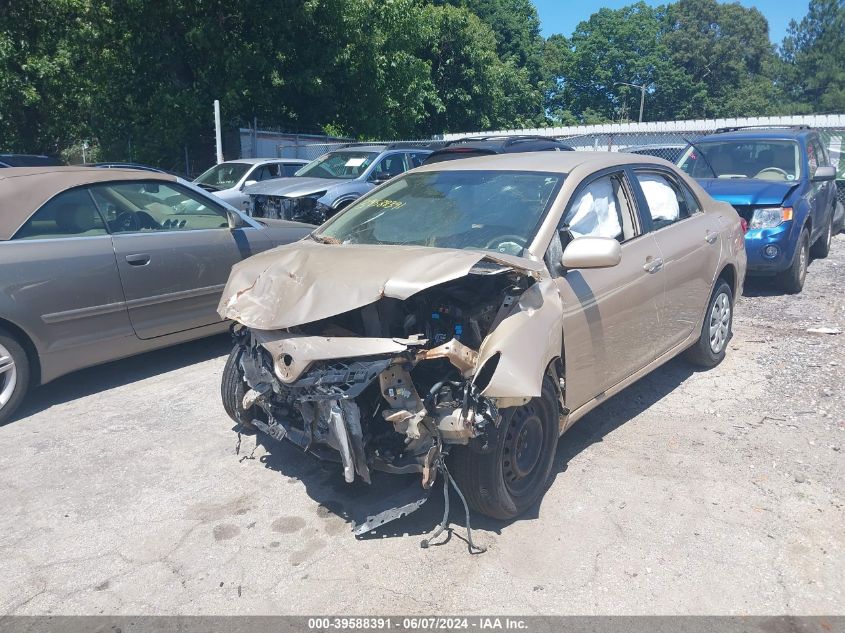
(720, 322)
(8, 376)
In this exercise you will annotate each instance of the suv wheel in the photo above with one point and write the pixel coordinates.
(506, 481)
(792, 279)
(14, 375)
(821, 248)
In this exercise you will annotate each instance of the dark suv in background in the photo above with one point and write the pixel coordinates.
(489, 145)
(781, 181)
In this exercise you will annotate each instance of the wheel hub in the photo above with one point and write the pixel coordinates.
(8, 376)
(522, 451)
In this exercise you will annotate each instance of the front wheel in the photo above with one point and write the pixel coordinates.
(716, 330)
(14, 375)
(233, 389)
(792, 279)
(506, 481)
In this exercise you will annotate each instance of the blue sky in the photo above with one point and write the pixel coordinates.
(562, 16)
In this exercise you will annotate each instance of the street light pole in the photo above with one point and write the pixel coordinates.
(642, 94)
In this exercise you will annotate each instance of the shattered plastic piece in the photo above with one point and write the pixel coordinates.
(824, 330)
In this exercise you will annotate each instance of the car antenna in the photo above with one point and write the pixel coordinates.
(698, 149)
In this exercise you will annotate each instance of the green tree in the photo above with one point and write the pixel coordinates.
(814, 57)
(723, 51)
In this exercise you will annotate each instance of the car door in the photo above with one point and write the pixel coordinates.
(690, 249)
(823, 193)
(610, 315)
(63, 284)
(174, 250)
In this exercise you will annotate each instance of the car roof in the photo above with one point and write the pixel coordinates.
(554, 162)
(28, 160)
(761, 134)
(25, 189)
(258, 161)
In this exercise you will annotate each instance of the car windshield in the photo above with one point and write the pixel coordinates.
(488, 210)
(343, 165)
(763, 160)
(223, 176)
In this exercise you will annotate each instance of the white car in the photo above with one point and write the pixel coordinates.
(227, 180)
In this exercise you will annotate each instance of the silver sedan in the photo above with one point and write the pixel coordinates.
(101, 264)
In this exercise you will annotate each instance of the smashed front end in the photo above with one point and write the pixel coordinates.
(395, 372)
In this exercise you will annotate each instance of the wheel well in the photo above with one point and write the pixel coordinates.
(25, 342)
(728, 275)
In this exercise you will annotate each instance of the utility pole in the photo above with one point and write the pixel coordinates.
(218, 132)
(642, 94)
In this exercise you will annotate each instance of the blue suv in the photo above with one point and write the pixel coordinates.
(781, 182)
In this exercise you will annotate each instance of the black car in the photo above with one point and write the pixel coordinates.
(489, 145)
(28, 160)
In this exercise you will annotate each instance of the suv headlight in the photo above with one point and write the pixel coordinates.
(770, 217)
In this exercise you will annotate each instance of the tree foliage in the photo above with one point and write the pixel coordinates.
(138, 77)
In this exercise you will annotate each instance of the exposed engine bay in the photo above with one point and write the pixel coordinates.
(391, 385)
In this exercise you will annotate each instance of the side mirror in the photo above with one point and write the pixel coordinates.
(380, 177)
(824, 174)
(249, 183)
(591, 252)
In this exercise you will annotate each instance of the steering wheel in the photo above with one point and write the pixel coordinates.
(135, 221)
(497, 243)
(772, 170)
(127, 221)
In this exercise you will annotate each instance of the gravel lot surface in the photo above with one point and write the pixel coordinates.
(716, 492)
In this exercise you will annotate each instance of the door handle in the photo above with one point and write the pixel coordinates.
(711, 238)
(653, 266)
(139, 259)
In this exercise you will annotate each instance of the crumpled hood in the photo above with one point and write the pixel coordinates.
(747, 191)
(307, 281)
(291, 187)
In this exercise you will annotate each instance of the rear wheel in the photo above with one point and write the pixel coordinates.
(821, 248)
(792, 279)
(14, 375)
(716, 330)
(233, 388)
(506, 481)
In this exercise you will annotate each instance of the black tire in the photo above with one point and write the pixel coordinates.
(15, 379)
(821, 248)
(838, 218)
(716, 330)
(792, 279)
(492, 482)
(233, 388)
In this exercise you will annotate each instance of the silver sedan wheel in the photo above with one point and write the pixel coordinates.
(8, 376)
(720, 322)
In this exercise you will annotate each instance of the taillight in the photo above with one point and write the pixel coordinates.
(744, 224)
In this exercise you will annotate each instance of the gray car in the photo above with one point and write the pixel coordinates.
(99, 264)
(229, 179)
(328, 184)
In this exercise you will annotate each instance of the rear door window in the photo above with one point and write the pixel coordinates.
(70, 214)
(667, 202)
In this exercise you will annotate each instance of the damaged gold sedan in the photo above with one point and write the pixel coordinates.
(456, 320)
